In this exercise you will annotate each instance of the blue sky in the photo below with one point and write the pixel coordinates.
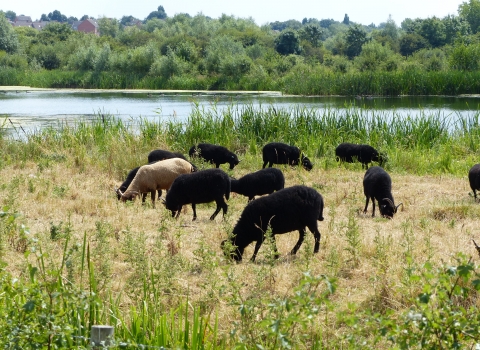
(262, 11)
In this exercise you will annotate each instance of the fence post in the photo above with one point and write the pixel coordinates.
(101, 335)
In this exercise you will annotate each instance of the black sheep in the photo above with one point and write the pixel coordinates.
(350, 152)
(214, 154)
(161, 154)
(261, 182)
(200, 187)
(377, 185)
(281, 153)
(474, 178)
(130, 176)
(290, 209)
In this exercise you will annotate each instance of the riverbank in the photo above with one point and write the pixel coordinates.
(27, 89)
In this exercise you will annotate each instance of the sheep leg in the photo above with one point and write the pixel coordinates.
(257, 247)
(152, 196)
(159, 194)
(217, 165)
(373, 205)
(220, 205)
(366, 205)
(316, 236)
(144, 197)
(475, 195)
(301, 237)
(264, 165)
(194, 212)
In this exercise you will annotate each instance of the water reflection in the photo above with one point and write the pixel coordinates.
(30, 112)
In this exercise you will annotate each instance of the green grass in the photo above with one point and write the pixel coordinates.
(428, 143)
(302, 80)
(60, 285)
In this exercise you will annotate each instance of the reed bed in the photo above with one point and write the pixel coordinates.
(72, 255)
(304, 80)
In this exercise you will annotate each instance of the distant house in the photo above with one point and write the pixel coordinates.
(75, 24)
(39, 25)
(88, 26)
(22, 21)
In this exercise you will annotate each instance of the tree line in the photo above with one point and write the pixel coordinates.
(185, 51)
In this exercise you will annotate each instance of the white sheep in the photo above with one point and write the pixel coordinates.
(155, 177)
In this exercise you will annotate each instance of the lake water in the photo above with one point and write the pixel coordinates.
(34, 110)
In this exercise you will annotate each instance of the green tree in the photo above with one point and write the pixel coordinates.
(127, 20)
(471, 12)
(160, 14)
(8, 37)
(455, 27)
(433, 30)
(355, 37)
(346, 20)
(409, 43)
(57, 16)
(10, 15)
(44, 18)
(288, 42)
(108, 27)
(84, 17)
(54, 32)
(325, 23)
(291, 23)
(373, 57)
(312, 33)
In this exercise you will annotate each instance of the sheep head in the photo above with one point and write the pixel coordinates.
(387, 210)
(306, 163)
(130, 196)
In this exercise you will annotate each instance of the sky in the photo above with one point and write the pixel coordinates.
(262, 11)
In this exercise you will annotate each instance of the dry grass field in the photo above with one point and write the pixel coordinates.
(129, 242)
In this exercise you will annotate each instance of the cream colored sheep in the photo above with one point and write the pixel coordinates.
(155, 177)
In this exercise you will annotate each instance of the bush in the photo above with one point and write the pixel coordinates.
(465, 57)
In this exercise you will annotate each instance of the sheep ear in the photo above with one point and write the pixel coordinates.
(164, 202)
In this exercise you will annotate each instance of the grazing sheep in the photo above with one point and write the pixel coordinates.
(293, 208)
(261, 182)
(160, 154)
(377, 184)
(474, 178)
(130, 176)
(350, 152)
(155, 177)
(281, 153)
(214, 154)
(201, 187)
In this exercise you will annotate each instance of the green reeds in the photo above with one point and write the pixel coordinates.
(415, 141)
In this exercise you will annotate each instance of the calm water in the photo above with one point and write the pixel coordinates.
(35, 110)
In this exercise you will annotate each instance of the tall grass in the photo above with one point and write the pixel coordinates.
(302, 80)
(417, 143)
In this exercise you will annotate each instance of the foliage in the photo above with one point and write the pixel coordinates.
(8, 37)
(108, 27)
(355, 37)
(470, 11)
(412, 42)
(288, 42)
(160, 14)
(444, 314)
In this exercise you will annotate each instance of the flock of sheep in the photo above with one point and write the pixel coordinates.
(283, 210)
